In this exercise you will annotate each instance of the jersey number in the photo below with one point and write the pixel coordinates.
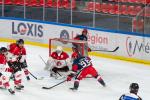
(85, 63)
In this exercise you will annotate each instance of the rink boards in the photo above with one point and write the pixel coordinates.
(132, 46)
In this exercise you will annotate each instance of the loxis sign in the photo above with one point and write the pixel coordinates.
(27, 29)
(137, 47)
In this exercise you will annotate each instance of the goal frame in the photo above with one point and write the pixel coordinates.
(81, 42)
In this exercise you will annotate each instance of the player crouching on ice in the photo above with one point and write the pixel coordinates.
(4, 79)
(81, 67)
(58, 63)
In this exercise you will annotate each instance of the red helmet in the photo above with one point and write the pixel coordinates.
(84, 31)
(74, 55)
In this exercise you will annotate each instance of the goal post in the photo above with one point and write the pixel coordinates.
(67, 45)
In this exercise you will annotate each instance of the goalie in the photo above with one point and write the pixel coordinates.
(58, 63)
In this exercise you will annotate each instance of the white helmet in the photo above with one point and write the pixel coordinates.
(59, 49)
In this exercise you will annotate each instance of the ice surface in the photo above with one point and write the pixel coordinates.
(117, 74)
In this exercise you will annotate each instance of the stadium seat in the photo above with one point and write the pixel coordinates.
(97, 7)
(110, 7)
(143, 1)
(18, 2)
(131, 10)
(138, 1)
(32, 3)
(7, 2)
(123, 0)
(114, 9)
(65, 4)
(59, 4)
(132, 1)
(123, 9)
(49, 3)
(105, 8)
(73, 4)
(147, 1)
(89, 6)
(54, 3)
(68, 5)
(41, 2)
(137, 10)
(0, 1)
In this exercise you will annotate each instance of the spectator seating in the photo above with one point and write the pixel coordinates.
(112, 8)
(89, 6)
(7, 2)
(18, 2)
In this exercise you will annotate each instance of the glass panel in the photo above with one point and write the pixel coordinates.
(106, 21)
(64, 11)
(125, 23)
(51, 11)
(14, 8)
(147, 20)
(34, 10)
(0, 7)
(83, 13)
(105, 14)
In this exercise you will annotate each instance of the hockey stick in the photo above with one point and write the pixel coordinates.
(35, 76)
(54, 85)
(45, 64)
(108, 50)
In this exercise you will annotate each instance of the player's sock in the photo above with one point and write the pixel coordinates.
(100, 80)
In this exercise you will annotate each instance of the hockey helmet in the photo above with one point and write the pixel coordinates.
(85, 31)
(134, 87)
(3, 50)
(20, 41)
(74, 55)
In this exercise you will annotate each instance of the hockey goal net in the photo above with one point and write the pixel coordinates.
(67, 45)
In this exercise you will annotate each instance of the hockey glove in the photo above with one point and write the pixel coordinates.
(69, 78)
(89, 50)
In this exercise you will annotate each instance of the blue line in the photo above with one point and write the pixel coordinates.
(77, 26)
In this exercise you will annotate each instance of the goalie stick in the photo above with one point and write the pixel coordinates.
(108, 50)
(45, 64)
(54, 85)
(35, 76)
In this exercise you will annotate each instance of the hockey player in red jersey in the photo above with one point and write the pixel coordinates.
(83, 37)
(58, 62)
(17, 49)
(4, 79)
(81, 67)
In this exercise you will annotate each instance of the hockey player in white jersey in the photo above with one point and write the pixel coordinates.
(134, 87)
(4, 71)
(58, 62)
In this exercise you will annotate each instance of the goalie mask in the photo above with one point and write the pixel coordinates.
(59, 49)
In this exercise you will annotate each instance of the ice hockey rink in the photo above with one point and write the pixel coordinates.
(116, 73)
